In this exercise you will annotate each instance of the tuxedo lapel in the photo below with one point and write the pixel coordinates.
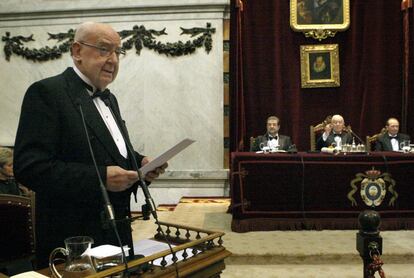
(118, 118)
(282, 142)
(78, 94)
(387, 142)
(343, 138)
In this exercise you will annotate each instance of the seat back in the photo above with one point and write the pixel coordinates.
(17, 238)
(252, 143)
(372, 139)
(316, 130)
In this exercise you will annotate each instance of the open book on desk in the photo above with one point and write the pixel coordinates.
(163, 158)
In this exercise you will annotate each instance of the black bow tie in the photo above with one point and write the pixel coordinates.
(337, 135)
(271, 137)
(104, 95)
(394, 137)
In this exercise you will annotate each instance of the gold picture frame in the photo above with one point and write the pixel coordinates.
(319, 19)
(319, 66)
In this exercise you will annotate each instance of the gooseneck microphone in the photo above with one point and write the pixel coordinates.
(354, 134)
(108, 206)
(148, 199)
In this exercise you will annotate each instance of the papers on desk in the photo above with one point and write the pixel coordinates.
(149, 247)
(163, 158)
(29, 274)
(273, 151)
(106, 250)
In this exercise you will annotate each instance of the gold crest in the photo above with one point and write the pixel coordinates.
(373, 188)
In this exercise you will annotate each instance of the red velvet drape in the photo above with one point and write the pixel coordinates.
(265, 65)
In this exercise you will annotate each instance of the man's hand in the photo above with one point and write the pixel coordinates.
(118, 179)
(150, 176)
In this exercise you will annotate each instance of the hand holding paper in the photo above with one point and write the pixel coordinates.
(152, 175)
(160, 163)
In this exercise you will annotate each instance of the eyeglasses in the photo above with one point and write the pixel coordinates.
(105, 52)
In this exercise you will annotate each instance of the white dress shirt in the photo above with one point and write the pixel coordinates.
(107, 116)
(394, 143)
(273, 143)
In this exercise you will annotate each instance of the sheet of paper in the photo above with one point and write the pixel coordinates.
(148, 247)
(163, 158)
(106, 250)
(29, 274)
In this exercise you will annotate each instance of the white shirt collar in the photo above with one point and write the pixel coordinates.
(84, 78)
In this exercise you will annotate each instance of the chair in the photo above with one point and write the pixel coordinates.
(252, 143)
(372, 139)
(317, 130)
(17, 238)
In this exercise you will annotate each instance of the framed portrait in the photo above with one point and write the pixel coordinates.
(319, 18)
(319, 65)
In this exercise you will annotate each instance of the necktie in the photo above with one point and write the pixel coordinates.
(271, 137)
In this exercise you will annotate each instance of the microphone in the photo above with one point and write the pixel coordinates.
(292, 149)
(108, 206)
(354, 134)
(148, 199)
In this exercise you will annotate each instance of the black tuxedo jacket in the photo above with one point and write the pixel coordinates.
(52, 158)
(285, 143)
(346, 138)
(384, 141)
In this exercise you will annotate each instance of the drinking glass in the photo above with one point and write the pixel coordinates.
(264, 147)
(405, 146)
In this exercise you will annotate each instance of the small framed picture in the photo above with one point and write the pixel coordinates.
(319, 66)
(319, 18)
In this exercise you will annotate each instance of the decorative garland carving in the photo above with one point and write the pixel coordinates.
(320, 34)
(138, 37)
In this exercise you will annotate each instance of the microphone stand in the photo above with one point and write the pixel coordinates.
(108, 206)
(148, 199)
(354, 134)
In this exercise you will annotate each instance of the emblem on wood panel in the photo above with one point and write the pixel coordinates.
(373, 187)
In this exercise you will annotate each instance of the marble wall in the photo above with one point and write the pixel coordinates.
(163, 99)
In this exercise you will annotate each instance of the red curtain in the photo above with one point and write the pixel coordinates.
(408, 85)
(265, 66)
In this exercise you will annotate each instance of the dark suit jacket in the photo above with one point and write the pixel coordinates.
(52, 158)
(346, 138)
(384, 141)
(285, 143)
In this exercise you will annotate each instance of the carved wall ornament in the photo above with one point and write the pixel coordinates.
(138, 37)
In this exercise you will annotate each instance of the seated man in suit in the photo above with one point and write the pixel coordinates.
(272, 138)
(390, 140)
(334, 134)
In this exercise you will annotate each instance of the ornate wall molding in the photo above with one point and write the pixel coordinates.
(138, 37)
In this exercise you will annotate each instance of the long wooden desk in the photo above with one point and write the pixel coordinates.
(310, 190)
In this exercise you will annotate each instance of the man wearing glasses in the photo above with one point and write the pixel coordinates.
(52, 155)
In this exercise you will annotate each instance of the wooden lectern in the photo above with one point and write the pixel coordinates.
(202, 251)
